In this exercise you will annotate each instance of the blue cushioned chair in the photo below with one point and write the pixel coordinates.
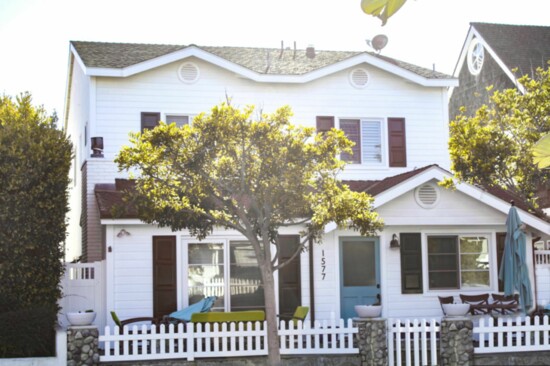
(202, 306)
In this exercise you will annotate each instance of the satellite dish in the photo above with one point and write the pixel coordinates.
(378, 42)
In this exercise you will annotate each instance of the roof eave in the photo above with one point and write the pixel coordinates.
(194, 51)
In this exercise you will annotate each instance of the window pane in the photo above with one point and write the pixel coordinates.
(473, 245)
(371, 141)
(474, 261)
(206, 253)
(359, 263)
(206, 272)
(442, 261)
(443, 280)
(475, 279)
(351, 129)
(179, 120)
(246, 288)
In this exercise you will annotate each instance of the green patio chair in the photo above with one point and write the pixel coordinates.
(299, 314)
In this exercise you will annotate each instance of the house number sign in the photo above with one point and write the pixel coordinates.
(323, 265)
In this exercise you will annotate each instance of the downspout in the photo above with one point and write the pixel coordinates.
(311, 283)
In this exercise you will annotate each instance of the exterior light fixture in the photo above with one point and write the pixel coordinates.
(394, 243)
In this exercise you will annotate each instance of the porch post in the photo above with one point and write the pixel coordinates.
(457, 342)
(372, 341)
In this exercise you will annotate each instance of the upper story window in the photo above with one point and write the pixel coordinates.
(458, 262)
(374, 140)
(150, 120)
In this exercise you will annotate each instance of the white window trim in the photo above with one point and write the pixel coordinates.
(493, 275)
(164, 115)
(383, 143)
(226, 239)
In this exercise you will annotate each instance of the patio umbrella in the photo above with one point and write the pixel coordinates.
(514, 271)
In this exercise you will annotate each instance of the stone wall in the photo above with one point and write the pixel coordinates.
(82, 344)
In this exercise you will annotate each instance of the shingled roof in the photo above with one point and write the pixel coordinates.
(267, 61)
(525, 47)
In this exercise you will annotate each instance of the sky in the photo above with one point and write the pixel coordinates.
(35, 34)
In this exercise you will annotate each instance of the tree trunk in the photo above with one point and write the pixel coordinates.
(273, 349)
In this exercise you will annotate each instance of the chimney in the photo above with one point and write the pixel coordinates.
(310, 51)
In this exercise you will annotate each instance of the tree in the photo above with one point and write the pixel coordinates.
(382, 9)
(35, 159)
(251, 176)
(495, 146)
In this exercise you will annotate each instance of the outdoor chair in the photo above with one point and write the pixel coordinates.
(479, 304)
(122, 323)
(505, 304)
(445, 300)
(299, 314)
(184, 315)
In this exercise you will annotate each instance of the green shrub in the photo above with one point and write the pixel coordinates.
(35, 159)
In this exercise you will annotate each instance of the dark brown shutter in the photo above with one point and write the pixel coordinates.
(149, 120)
(290, 288)
(411, 263)
(164, 276)
(501, 240)
(397, 142)
(351, 128)
(324, 123)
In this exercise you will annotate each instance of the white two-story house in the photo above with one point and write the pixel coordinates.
(435, 241)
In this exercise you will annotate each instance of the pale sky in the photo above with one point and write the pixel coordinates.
(35, 34)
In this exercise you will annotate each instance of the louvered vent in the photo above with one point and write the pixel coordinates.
(427, 195)
(359, 78)
(188, 73)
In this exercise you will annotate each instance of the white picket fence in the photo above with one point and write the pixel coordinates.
(190, 341)
(413, 342)
(518, 334)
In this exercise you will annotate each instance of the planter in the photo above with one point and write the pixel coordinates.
(81, 318)
(368, 311)
(456, 309)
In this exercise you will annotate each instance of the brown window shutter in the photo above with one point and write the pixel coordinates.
(411, 263)
(397, 142)
(149, 120)
(324, 123)
(351, 128)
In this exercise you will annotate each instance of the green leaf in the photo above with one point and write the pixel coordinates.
(541, 152)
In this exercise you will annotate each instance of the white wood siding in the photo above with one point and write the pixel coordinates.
(78, 115)
(119, 102)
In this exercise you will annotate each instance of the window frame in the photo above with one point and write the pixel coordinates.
(384, 160)
(491, 243)
(226, 243)
(190, 116)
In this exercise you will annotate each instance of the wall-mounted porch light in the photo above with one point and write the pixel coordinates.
(394, 243)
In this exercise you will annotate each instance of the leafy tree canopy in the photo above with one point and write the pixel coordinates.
(382, 9)
(252, 176)
(495, 146)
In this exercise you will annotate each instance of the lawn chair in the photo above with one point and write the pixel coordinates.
(122, 323)
(184, 315)
(444, 300)
(479, 304)
(299, 314)
(505, 304)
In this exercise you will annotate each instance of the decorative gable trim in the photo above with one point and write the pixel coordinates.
(464, 52)
(439, 174)
(194, 51)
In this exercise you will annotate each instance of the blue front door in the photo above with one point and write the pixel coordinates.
(359, 273)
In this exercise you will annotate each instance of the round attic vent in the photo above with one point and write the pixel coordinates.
(188, 72)
(476, 56)
(427, 195)
(359, 78)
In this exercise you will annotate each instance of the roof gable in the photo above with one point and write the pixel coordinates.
(524, 47)
(259, 64)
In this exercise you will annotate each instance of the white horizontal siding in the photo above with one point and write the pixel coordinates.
(119, 103)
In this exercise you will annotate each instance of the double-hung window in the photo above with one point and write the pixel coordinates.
(458, 262)
(150, 120)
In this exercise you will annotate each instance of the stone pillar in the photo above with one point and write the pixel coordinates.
(457, 342)
(82, 344)
(372, 341)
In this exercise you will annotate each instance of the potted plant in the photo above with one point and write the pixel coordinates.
(81, 317)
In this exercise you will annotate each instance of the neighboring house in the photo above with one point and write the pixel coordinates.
(490, 54)
(397, 113)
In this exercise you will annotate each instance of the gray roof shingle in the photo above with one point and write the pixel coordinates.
(523, 46)
(121, 55)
